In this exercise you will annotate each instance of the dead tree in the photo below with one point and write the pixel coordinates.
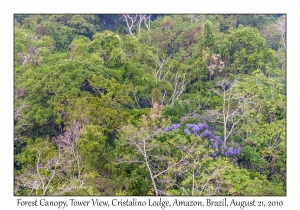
(39, 178)
(179, 86)
(162, 67)
(133, 21)
(130, 22)
(162, 73)
(143, 141)
(67, 141)
(235, 106)
(281, 27)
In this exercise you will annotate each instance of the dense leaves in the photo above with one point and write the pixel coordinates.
(162, 105)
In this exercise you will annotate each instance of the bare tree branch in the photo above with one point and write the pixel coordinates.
(133, 21)
(281, 26)
(235, 106)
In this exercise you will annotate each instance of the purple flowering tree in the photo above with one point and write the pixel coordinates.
(201, 130)
(200, 149)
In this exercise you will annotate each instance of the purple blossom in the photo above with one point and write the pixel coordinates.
(207, 133)
(195, 129)
(167, 129)
(231, 151)
(238, 151)
(172, 127)
(25, 60)
(186, 131)
(189, 125)
(196, 116)
(183, 118)
(175, 126)
(222, 152)
(216, 144)
(201, 126)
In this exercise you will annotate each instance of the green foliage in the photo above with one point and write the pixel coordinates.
(179, 109)
(62, 35)
(96, 102)
(208, 36)
(116, 58)
(242, 182)
(20, 41)
(45, 90)
(106, 40)
(30, 152)
(92, 146)
(173, 32)
(36, 161)
(83, 25)
(248, 50)
(105, 104)
(80, 47)
(256, 20)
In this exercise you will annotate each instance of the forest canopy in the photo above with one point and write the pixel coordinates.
(150, 104)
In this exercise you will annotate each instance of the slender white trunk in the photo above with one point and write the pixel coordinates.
(149, 168)
(224, 117)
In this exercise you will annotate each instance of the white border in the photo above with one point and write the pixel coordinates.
(153, 6)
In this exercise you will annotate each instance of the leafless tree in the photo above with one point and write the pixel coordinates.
(66, 160)
(17, 111)
(144, 19)
(157, 164)
(194, 18)
(193, 163)
(236, 106)
(147, 20)
(215, 64)
(133, 21)
(19, 95)
(67, 141)
(41, 176)
(199, 179)
(162, 73)
(179, 86)
(281, 27)
(162, 66)
(130, 22)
